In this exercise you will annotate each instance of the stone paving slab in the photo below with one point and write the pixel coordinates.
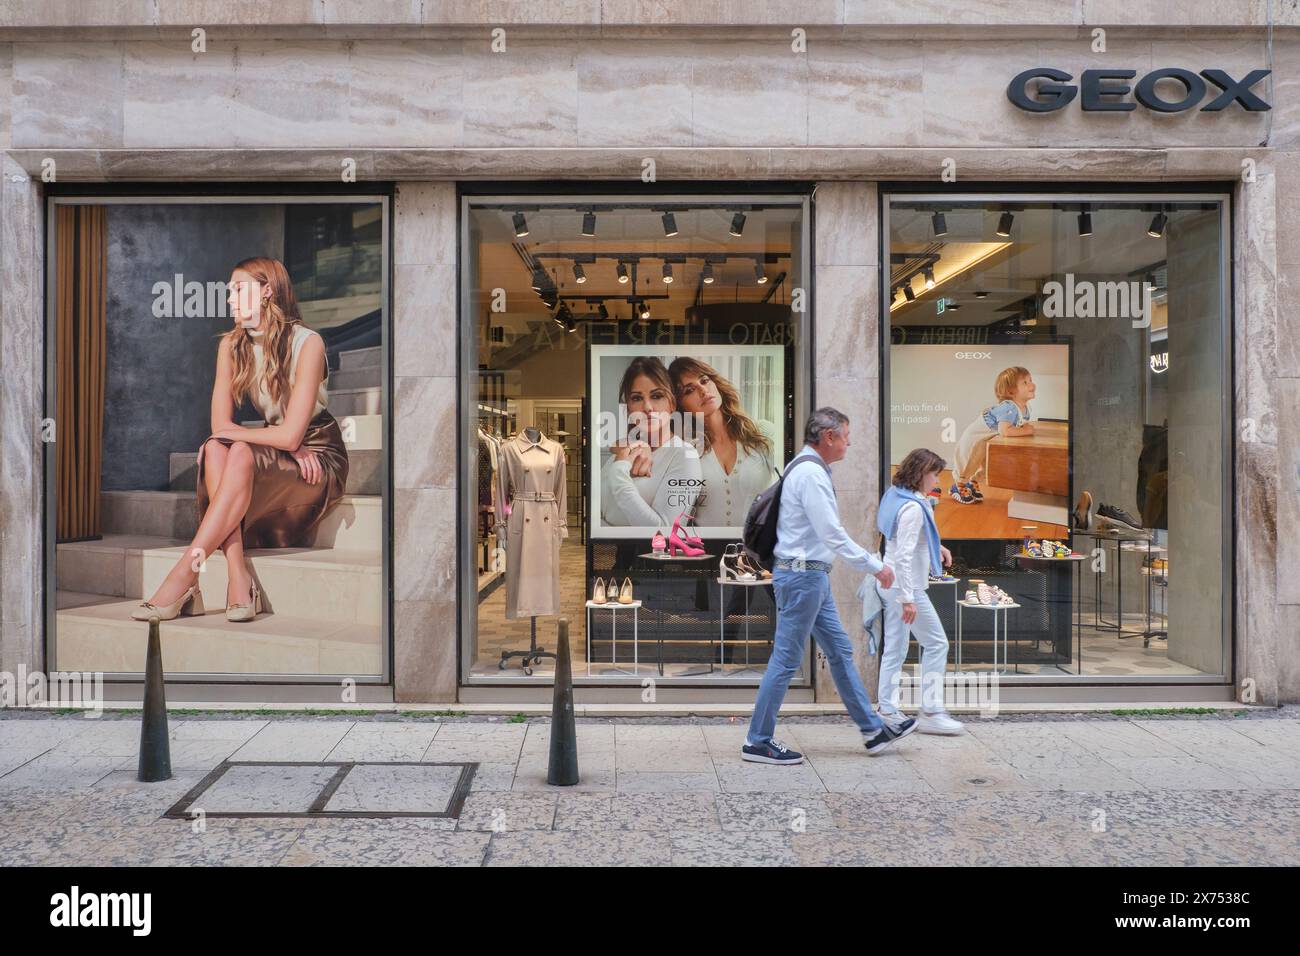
(264, 789)
(403, 788)
(1115, 792)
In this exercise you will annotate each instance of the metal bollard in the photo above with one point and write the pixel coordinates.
(155, 749)
(563, 768)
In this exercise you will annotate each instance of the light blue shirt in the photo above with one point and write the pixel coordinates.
(808, 526)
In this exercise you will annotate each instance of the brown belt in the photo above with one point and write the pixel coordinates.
(534, 496)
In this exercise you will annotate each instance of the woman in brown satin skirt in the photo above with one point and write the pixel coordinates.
(260, 487)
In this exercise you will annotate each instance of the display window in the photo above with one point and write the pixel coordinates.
(217, 396)
(636, 370)
(1068, 359)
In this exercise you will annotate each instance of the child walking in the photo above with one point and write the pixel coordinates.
(914, 552)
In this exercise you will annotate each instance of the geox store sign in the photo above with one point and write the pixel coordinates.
(1108, 90)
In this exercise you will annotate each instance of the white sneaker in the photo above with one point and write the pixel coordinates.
(938, 723)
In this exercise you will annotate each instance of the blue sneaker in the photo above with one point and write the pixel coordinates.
(771, 752)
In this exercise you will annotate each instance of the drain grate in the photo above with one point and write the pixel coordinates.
(329, 789)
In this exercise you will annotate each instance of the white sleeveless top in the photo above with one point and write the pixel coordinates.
(272, 412)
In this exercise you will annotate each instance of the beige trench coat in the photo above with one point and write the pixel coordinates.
(531, 482)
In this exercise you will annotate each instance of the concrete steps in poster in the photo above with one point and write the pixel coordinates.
(319, 584)
(96, 633)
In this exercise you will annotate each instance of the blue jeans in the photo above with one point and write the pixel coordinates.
(804, 606)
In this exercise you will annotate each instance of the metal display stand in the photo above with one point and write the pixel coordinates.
(1121, 538)
(1006, 625)
(722, 619)
(533, 655)
(1077, 610)
(613, 607)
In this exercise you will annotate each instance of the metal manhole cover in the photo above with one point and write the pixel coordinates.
(328, 789)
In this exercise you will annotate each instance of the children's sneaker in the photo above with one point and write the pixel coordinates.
(973, 487)
(773, 752)
(959, 494)
(939, 722)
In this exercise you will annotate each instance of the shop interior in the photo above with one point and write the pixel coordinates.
(1104, 523)
(566, 296)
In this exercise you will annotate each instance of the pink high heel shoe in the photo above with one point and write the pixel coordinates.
(658, 544)
(675, 543)
(685, 533)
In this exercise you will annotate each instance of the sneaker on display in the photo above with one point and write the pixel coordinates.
(1119, 519)
(773, 752)
(939, 722)
(961, 494)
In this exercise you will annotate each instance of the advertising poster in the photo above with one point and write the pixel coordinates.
(696, 431)
(1000, 416)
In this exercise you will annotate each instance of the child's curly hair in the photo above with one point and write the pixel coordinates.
(1007, 380)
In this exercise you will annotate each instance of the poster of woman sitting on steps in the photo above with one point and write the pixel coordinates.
(221, 405)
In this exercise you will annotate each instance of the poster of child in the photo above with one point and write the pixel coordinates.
(1009, 418)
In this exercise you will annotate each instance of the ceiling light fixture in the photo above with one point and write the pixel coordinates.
(668, 274)
(539, 279)
(737, 224)
(644, 309)
(604, 312)
(578, 275)
(708, 273)
(589, 223)
(670, 224)
(1157, 228)
(622, 273)
(1004, 224)
(940, 224)
(908, 293)
(981, 294)
(759, 275)
(929, 278)
(521, 225)
(1085, 223)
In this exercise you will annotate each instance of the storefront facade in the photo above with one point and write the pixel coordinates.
(550, 231)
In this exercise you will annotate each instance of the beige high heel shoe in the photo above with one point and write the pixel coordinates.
(625, 592)
(190, 603)
(241, 613)
(598, 595)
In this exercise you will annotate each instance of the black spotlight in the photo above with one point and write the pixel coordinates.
(644, 309)
(981, 294)
(738, 224)
(940, 224)
(521, 225)
(589, 224)
(907, 291)
(578, 275)
(929, 278)
(622, 273)
(670, 224)
(708, 273)
(539, 279)
(668, 273)
(570, 324)
(1157, 228)
(759, 275)
(1004, 224)
(1085, 224)
(604, 312)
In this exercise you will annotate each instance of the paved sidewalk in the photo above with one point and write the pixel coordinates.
(1053, 790)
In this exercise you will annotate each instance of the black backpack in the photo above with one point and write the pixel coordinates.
(760, 524)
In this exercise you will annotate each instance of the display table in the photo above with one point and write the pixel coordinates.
(724, 583)
(964, 606)
(614, 607)
(1131, 542)
(1055, 592)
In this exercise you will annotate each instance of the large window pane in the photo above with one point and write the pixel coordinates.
(635, 367)
(1067, 360)
(141, 305)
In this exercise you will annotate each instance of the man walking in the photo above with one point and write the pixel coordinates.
(808, 536)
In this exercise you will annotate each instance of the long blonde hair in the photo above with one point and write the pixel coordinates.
(740, 426)
(279, 317)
